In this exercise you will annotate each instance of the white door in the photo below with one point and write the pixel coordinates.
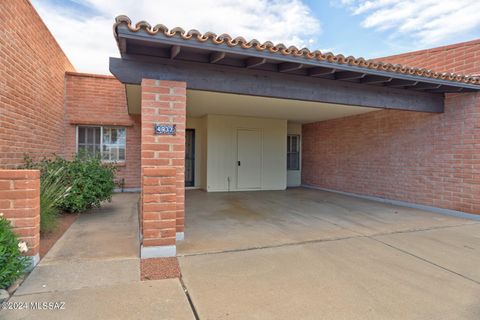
(249, 159)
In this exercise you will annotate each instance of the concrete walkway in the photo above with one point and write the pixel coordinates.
(95, 270)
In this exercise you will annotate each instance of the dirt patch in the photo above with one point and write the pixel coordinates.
(47, 240)
(159, 268)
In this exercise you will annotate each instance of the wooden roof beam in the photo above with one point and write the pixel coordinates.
(321, 72)
(374, 79)
(400, 83)
(174, 51)
(349, 75)
(254, 62)
(217, 57)
(425, 86)
(201, 76)
(446, 89)
(289, 67)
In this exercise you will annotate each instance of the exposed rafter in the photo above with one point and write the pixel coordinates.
(217, 56)
(254, 62)
(400, 83)
(174, 51)
(373, 79)
(425, 86)
(349, 75)
(289, 67)
(449, 89)
(321, 72)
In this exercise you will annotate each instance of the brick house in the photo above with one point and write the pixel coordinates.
(192, 110)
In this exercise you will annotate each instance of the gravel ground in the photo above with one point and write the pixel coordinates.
(160, 268)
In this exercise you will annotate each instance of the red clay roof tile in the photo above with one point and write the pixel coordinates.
(291, 50)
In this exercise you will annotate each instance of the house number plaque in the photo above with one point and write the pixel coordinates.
(165, 129)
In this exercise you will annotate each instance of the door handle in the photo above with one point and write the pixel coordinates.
(238, 162)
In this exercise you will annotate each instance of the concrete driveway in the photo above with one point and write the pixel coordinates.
(309, 254)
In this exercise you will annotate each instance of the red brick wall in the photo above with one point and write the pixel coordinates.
(100, 100)
(32, 68)
(159, 210)
(430, 159)
(163, 162)
(20, 203)
(461, 58)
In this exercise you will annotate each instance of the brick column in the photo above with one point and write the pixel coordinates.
(163, 167)
(20, 203)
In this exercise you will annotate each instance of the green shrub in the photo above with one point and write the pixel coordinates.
(12, 263)
(90, 181)
(54, 189)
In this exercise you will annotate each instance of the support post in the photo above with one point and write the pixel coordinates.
(163, 166)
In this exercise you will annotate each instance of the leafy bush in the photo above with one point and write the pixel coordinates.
(12, 263)
(54, 189)
(90, 181)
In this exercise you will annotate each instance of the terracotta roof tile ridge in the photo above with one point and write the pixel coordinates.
(290, 50)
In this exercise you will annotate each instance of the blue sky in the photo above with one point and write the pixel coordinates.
(368, 28)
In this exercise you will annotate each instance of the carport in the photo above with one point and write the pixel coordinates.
(223, 115)
(239, 221)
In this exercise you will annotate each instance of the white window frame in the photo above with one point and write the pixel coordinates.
(297, 136)
(101, 141)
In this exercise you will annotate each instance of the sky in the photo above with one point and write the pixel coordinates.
(362, 28)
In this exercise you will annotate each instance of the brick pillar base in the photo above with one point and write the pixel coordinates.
(159, 212)
(163, 167)
(20, 204)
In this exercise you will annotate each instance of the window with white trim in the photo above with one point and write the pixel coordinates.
(293, 152)
(108, 143)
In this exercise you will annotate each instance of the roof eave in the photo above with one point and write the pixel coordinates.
(124, 35)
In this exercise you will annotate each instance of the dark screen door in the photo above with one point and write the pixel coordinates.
(189, 158)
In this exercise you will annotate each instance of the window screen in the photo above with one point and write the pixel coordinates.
(113, 147)
(108, 143)
(89, 140)
(293, 152)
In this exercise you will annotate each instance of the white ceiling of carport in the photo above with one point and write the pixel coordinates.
(201, 103)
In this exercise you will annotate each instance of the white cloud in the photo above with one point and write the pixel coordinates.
(88, 41)
(427, 22)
